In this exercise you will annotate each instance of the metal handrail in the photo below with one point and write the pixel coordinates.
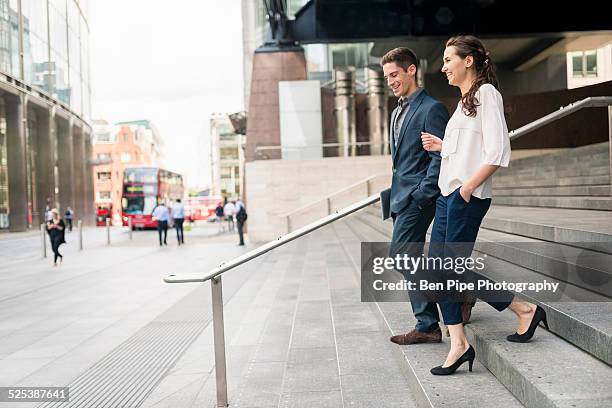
(590, 102)
(214, 276)
(186, 277)
(344, 190)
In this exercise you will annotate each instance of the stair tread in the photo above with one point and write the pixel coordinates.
(575, 219)
(418, 359)
(546, 372)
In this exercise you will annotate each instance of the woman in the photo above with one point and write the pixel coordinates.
(55, 228)
(475, 145)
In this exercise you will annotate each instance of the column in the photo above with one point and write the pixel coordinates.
(16, 163)
(79, 188)
(65, 163)
(90, 212)
(45, 160)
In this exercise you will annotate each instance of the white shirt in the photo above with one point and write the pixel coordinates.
(228, 209)
(470, 142)
(161, 213)
(238, 206)
(178, 210)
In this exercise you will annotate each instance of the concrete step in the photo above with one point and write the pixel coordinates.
(590, 270)
(557, 161)
(578, 190)
(546, 372)
(576, 202)
(579, 228)
(586, 170)
(579, 315)
(512, 182)
(583, 152)
(416, 361)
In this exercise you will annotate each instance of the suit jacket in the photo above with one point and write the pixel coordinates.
(415, 171)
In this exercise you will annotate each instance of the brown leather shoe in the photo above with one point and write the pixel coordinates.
(416, 337)
(466, 311)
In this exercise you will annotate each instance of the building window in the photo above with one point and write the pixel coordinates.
(126, 157)
(104, 137)
(103, 156)
(584, 64)
(126, 138)
(104, 175)
(104, 195)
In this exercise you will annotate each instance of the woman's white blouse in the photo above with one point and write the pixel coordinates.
(470, 142)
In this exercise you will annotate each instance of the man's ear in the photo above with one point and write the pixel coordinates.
(412, 70)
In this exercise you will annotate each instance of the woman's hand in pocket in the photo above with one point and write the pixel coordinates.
(431, 143)
(466, 193)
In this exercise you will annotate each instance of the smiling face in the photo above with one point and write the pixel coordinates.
(400, 81)
(457, 69)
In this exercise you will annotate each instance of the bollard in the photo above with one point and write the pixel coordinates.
(43, 239)
(108, 241)
(130, 226)
(80, 228)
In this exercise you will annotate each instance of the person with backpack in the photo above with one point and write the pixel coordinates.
(241, 217)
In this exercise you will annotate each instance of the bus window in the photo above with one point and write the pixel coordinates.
(139, 204)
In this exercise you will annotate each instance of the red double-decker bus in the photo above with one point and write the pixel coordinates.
(201, 207)
(143, 189)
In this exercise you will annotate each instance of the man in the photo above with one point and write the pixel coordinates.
(178, 215)
(241, 217)
(161, 214)
(228, 213)
(68, 216)
(414, 187)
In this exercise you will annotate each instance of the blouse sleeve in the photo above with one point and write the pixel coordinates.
(496, 143)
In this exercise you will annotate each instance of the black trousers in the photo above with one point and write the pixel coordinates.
(240, 233)
(178, 225)
(162, 226)
(55, 244)
(69, 223)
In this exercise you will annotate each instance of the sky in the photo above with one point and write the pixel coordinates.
(173, 63)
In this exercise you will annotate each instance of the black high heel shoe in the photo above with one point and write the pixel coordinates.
(468, 356)
(539, 316)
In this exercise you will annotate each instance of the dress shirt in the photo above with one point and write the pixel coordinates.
(404, 106)
(470, 142)
(178, 210)
(161, 213)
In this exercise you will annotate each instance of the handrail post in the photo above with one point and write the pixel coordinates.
(368, 188)
(108, 239)
(288, 224)
(219, 339)
(43, 239)
(80, 228)
(329, 206)
(610, 140)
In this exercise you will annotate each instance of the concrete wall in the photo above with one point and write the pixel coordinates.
(301, 130)
(277, 187)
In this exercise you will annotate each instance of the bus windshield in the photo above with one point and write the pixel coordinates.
(139, 204)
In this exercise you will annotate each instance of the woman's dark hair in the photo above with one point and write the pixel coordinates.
(485, 69)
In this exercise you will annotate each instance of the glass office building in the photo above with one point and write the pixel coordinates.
(45, 109)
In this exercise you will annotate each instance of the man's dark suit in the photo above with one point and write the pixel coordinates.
(414, 187)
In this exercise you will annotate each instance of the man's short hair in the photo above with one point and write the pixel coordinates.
(402, 56)
(178, 200)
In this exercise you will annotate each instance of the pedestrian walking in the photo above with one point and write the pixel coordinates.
(178, 215)
(55, 229)
(241, 217)
(228, 213)
(414, 186)
(68, 216)
(162, 216)
(475, 145)
(219, 214)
